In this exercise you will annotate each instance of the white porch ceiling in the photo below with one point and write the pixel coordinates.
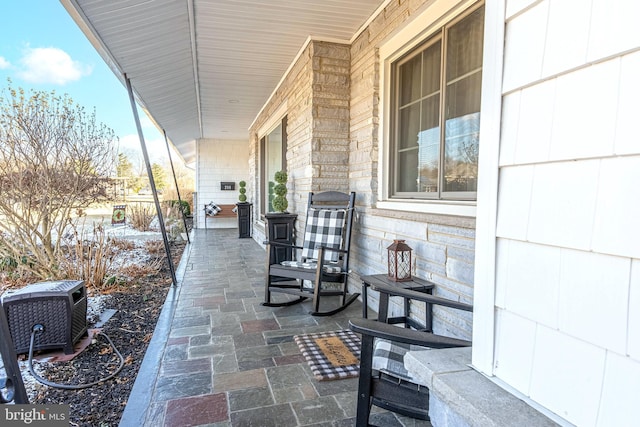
(205, 68)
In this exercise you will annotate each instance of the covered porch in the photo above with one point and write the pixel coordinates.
(537, 230)
(218, 357)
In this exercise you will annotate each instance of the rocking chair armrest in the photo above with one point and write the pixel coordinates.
(393, 291)
(404, 335)
(286, 245)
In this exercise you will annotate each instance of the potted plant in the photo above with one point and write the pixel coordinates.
(242, 197)
(280, 223)
(280, 202)
(243, 209)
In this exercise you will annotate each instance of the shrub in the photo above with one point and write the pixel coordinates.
(142, 215)
(54, 158)
(184, 206)
(89, 256)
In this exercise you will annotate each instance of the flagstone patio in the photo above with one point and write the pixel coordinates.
(219, 358)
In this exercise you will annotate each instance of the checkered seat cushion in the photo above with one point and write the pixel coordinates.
(212, 209)
(324, 227)
(388, 357)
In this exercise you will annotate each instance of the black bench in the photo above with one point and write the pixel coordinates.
(226, 211)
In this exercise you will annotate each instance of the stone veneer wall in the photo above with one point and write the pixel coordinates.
(332, 95)
(295, 92)
(316, 92)
(443, 245)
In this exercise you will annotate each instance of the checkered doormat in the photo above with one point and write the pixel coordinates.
(331, 355)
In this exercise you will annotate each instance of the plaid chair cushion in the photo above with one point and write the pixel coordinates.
(212, 209)
(323, 228)
(327, 268)
(388, 357)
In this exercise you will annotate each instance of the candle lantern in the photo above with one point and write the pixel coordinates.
(399, 261)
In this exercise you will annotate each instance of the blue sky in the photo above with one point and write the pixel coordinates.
(42, 48)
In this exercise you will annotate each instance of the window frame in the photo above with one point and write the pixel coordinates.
(405, 44)
(282, 122)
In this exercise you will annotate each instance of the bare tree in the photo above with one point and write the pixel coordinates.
(54, 159)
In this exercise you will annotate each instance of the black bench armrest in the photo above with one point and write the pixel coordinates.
(404, 335)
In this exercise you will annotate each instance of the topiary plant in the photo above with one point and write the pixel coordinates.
(242, 197)
(271, 185)
(280, 202)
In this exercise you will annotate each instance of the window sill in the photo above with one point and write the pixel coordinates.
(437, 207)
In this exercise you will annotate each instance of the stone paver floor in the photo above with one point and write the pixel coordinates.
(219, 358)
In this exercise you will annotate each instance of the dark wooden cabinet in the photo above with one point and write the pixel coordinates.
(244, 219)
(281, 229)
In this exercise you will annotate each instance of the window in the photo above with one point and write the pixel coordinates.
(273, 148)
(435, 120)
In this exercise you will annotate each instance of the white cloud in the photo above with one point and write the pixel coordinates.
(51, 65)
(4, 64)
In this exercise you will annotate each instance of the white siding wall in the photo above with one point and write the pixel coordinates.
(217, 161)
(567, 267)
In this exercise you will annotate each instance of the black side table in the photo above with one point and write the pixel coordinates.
(385, 286)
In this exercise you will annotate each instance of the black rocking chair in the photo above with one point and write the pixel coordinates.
(384, 382)
(322, 267)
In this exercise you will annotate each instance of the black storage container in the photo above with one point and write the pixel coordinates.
(244, 219)
(281, 229)
(59, 306)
